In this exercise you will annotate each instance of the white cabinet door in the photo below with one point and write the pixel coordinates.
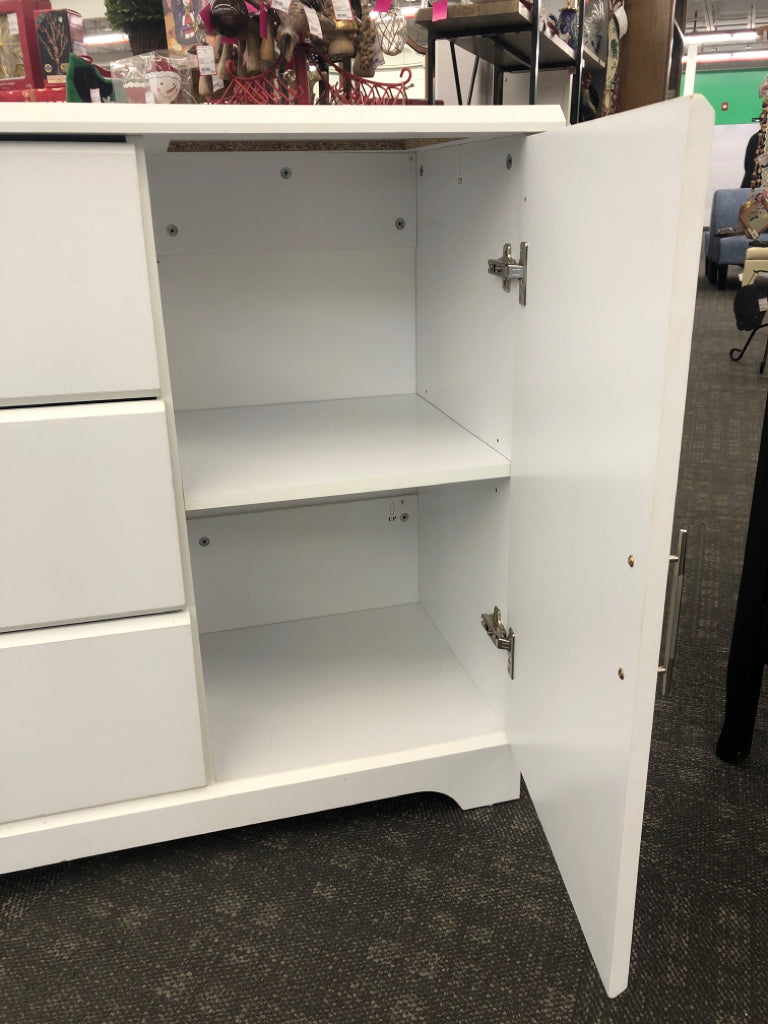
(612, 214)
(87, 514)
(75, 316)
(95, 714)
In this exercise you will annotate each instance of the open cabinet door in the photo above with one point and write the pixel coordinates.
(612, 212)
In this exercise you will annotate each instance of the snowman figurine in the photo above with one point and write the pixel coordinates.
(164, 82)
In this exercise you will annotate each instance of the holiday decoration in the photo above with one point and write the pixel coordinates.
(392, 30)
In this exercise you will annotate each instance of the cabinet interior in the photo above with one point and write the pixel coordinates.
(341, 377)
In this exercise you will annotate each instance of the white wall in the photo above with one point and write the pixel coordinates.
(726, 166)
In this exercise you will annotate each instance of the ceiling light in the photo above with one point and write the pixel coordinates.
(722, 58)
(710, 38)
(106, 39)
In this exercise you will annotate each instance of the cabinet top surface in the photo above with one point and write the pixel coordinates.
(416, 125)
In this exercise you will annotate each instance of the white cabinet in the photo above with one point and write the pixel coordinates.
(377, 443)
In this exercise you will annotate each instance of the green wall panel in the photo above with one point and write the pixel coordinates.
(736, 88)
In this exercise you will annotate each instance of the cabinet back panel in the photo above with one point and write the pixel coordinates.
(304, 326)
(298, 563)
(463, 552)
(469, 206)
(330, 201)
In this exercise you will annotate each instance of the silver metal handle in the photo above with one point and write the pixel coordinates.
(673, 620)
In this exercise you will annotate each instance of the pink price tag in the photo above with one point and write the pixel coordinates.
(382, 6)
(439, 10)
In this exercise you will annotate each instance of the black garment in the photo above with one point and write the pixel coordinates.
(749, 160)
(751, 304)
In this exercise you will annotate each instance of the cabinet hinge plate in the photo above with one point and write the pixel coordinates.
(500, 636)
(509, 269)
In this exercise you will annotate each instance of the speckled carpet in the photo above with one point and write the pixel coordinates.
(410, 910)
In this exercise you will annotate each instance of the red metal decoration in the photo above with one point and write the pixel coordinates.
(352, 89)
(336, 85)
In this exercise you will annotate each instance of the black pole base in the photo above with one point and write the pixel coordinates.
(732, 749)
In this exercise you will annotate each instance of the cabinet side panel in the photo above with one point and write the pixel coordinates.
(601, 370)
(289, 327)
(463, 551)
(469, 206)
(76, 318)
(299, 563)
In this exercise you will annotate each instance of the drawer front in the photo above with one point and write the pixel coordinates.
(95, 714)
(76, 311)
(87, 514)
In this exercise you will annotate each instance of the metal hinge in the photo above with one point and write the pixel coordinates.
(509, 269)
(501, 637)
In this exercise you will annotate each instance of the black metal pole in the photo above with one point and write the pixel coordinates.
(750, 633)
(533, 82)
(456, 79)
(578, 71)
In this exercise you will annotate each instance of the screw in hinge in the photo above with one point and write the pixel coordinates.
(509, 161)
(172, 230)
(204, 542)
(400, 223)
(631, 561)
(286, 173)
(621, 673)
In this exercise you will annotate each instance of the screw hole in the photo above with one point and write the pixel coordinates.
(621, 673)
(172, 230)
(400, 223)
(421, 171)
(404, 517)
(286, 173)
(509, 161)
(204, 542)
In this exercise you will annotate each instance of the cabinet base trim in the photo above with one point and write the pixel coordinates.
(471, 777)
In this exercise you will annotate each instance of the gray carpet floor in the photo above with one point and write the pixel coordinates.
(411, 911)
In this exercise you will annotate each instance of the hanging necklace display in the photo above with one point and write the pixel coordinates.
(753, 215)
(392, 30)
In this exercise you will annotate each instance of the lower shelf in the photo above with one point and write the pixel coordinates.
(336, 711)
(307, 694)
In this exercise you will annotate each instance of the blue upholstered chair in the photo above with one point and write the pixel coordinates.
(722, 252)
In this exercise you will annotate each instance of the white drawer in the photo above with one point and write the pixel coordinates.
(95, 714)
(76, 314)
(87, 514)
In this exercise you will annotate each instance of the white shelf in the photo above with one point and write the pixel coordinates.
(280, 123)
(371, 684)
(254, 455)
